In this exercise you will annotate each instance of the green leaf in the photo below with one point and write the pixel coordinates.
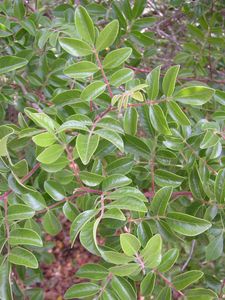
(194, 95)
(22, 257)
(120, 166)
(67, 98)
(215, 248)
(41, 119)
(158, 119)
(124, 270)
(165, 178)
(129, 243)
(130, 121)
(110, 123)
(148, 284)
(93, 90)
(116, 257)
(114, 213)
(144, 232)
(160, 200)
(80, 221)
(121, 76)
(11, 63)
(168, 260)
(152, 80)
(169, 80)
(115, 181)
(186, 224)
(219, 186)
(116, 57)
(200, 294)
(84, 25)
(177, 114)
(5, 286)
(90, 179)
(183, 280)
(20, 212)
(107, 36)
(86, 146)
(165, 294)
(44, 139)
(81, 70)
(112, 137)
(210, 139)
(34, 200)
(54, 190)
(82, 290)
(50, 154)
(152, 252)
(92, 271)
(23, 236)
(51, 224)
(123, 288)
(19, 9)
(71, 125)
(75, 47)
(128, 203)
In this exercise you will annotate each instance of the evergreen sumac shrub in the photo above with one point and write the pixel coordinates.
(130, 149)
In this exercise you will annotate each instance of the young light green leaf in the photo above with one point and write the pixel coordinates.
(116, 257)
(107, 36)
(129, 243)
(84, 25)
(86, 146)
(44, 139)
(50, 154)
(158, 119)
(148, 284)
(75, 47)
(115, 58)
(169, 80)
(186, 224)
(23, 236)
(81, 70)
(22, 257)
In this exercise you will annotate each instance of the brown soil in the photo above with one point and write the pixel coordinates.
(60, 275)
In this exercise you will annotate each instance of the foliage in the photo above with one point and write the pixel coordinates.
(131, 155)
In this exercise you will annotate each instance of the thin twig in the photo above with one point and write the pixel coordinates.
(190, 255)
(169, 283)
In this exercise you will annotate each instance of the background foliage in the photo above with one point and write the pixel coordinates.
(112, 114)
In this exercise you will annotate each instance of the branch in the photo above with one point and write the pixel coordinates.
(169, 283)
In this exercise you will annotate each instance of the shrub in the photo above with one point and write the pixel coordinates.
(132, 157)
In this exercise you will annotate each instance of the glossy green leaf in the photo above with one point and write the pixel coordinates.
(115, 58)
(201, 294)
(22, 257)
(168, 260)
(86, 146)
(169, 80)
(23, 236)
(20, 212)
(186, 224)
(160, 200)
(177, 114)
(194, 95)
(148, 284)
(92, 271)
(219, 186)
(165, 178)
(90, 179)
(81, 70)
(183, 280)
(124, 270)
(152, 80)
(51, 224)
(123, 288)
(93, 90)
(130, 121)
(158, 120)
(128, 203)
(112, 137)
(54, 190)
(82, 290)
(11, 63)
(5, 286)
(116, 257)
(44, 139)
(210, 139)
(84, 24)
(75, 47)
(129, 243)
(107, 36)
(121, 76)
(215, 248)
(115, 181)
(152, 252)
